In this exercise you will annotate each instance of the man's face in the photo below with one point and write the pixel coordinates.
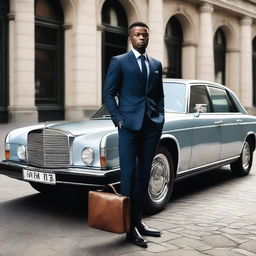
(139, 38)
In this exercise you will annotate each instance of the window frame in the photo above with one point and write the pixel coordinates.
(106, 30)
(207, 94)
(54, 106)
(228, 98)
(173, 41)
(221, 49)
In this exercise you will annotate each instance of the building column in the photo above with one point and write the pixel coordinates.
(246, 62)
(156, 28)
(205, 60)
(82, 93)
(22, 58)
(232, 70)
(188, 60)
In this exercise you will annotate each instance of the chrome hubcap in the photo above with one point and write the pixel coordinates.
(246, 155)
(159, 179)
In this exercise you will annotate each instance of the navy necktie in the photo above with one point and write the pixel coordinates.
(144, 69)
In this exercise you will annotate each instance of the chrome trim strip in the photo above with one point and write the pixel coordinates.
(84, 184)
(208, 126)
(247, 122)
(80, 184)
(87, 172)
(71, 170)
(67, 133)
(187, 129)
(209, 165)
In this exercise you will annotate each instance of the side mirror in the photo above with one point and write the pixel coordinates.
(200, 108)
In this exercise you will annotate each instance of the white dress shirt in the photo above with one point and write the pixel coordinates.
(137, 56)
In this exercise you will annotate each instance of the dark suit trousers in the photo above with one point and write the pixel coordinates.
(136, 152)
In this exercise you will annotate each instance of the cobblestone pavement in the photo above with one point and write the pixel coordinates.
(211, 214)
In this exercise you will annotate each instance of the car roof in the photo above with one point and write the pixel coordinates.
(192, 82)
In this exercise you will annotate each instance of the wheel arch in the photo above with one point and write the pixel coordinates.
(172, 145)
(251, 137)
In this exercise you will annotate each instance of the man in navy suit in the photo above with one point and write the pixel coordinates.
(135, 79)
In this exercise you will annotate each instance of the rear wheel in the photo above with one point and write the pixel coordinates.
(243, 164)
(160, 182)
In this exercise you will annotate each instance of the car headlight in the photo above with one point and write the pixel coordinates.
(87, 156)
(21, 152)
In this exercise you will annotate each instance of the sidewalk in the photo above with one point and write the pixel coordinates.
(212, 214)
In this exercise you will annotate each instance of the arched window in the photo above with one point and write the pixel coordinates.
(115, 32)
(49, 60)
(173, 41)
(220, 56)
(4, 96)
(254, 69)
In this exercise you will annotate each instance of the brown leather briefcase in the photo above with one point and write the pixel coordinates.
(109, 211)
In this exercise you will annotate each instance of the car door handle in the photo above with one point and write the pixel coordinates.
(218, 122)
(239, 120)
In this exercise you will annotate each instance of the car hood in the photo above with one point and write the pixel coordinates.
(106, 125)
(85, 127)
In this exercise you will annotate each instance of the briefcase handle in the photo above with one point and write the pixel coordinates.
(113, 188)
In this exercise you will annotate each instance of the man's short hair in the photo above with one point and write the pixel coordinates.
(138, 24)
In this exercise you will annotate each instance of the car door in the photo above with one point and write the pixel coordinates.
(230, 122)
(206, 136)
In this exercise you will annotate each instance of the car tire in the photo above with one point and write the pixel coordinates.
(160, 181)
(43, 188)
(243, 164)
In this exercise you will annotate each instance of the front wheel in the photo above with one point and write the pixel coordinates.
(243, 164)
(160, 182)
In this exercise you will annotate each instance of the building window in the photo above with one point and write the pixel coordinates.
(49, 60)
(4, 95)
(220, 56)
(254, 69)
(173, 41)
(114, 34)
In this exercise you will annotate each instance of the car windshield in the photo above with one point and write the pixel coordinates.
(174, 100)
(175, 97)
(101, 113)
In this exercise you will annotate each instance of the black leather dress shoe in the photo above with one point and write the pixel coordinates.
(148, 231)
(135, 237)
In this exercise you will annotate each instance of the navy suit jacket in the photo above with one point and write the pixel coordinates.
(124, 80)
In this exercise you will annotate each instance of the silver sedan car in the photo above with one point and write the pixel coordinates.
(206, 127)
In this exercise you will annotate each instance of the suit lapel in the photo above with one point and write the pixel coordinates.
(151, 70)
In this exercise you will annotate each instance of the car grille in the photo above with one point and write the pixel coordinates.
(48, 148)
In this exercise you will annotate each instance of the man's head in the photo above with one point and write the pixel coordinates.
(139, 36)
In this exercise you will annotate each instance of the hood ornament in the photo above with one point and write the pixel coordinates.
(46, 124)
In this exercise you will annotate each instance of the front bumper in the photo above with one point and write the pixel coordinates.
(65, 176)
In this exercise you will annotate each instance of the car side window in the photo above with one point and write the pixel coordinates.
(198, 95)
(220, 100)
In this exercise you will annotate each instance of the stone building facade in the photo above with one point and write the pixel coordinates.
(54, 53)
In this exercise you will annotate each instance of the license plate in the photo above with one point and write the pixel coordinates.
(43, 177)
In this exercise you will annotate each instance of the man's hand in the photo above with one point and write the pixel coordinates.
(120, 124)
